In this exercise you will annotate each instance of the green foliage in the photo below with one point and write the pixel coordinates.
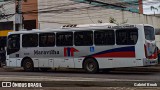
(153, 8)
(113, 20)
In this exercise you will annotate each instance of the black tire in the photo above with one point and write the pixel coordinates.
(107, 70)
(44, 69)
(158, 58)
(1, 64)
(28, 65)
(90, 65)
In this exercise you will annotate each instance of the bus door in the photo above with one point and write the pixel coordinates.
(13, 47)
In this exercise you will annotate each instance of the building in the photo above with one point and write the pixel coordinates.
(30, 9)
(56, 13)
(8, 10)
(8, 17)
(48, 14)
(53, 14)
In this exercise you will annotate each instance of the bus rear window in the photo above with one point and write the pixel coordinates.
(149, 33)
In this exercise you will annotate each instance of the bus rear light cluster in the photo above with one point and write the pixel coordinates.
(145, 50)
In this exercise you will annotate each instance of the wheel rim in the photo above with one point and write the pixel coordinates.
(28, 65)
(90, 66)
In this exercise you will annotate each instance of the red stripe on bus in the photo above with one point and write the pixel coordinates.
(117, 54)
(65, 52)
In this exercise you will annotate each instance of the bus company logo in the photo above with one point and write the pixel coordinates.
(69, 51)
(6, 84)
(37, 52)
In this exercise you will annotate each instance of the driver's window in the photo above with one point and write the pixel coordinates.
(14, 41)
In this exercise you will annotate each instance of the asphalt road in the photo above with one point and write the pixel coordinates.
(65, 79)
(68, 75)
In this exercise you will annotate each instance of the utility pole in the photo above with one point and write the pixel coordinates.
(140, 2)
(19, 18)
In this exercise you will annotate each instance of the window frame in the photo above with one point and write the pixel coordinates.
(37, 41)
(61, 33)
(151, 37)
(128, 34)
(18, 42)
(45, 34)
(13, 50)
(84, 32)
(106, 31)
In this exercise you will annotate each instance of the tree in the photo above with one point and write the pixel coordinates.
(153, 8)
(113, 20)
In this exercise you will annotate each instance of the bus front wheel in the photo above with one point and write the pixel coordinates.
(91, 66)
(28, 65)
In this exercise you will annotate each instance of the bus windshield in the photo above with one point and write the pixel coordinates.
(149, 33)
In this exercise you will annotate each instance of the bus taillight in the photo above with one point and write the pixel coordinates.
(145, 50)
(152, 56)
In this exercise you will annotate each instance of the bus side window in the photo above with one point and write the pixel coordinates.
(30, 40)
(64, 39)
(126, 36)
(83, 38)
(104, 37)
(46, 39)
(14, 41)
(134, 37)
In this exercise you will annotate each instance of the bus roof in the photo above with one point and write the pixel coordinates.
(80, 28)
(87, 25)
(58, 30)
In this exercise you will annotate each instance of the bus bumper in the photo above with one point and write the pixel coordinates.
(148, 62)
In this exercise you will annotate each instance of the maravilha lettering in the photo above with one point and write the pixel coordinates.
(37, 52)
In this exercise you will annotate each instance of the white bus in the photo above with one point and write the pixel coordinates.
(91, 48)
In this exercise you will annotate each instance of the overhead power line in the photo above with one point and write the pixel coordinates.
(64, 8)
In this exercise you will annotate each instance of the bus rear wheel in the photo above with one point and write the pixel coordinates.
(91, 66)
(28, 65)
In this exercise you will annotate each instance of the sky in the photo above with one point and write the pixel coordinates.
(148, 3)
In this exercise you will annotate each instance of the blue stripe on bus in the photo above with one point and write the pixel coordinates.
(68, 51)
(121, 49)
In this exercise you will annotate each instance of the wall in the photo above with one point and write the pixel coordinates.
(30, 9)
(8, 9)
(54, 15)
